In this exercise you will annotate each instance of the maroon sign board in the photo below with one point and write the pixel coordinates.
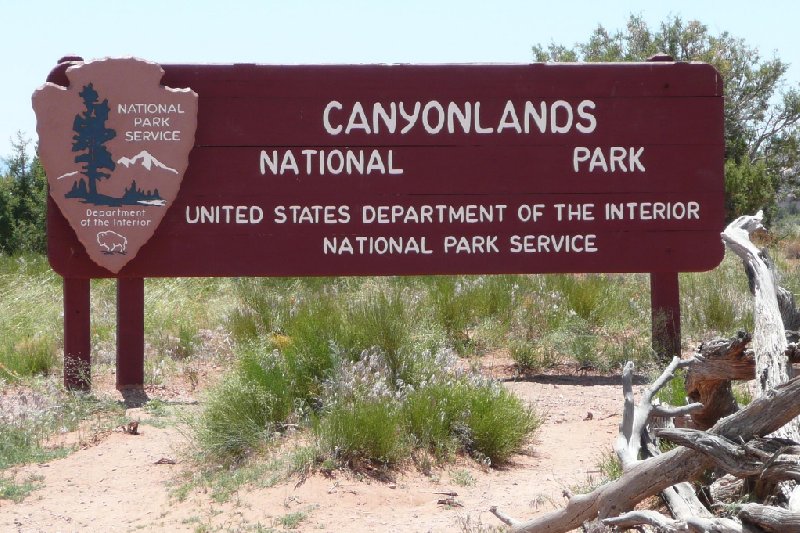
(378, 170)
(440, 169)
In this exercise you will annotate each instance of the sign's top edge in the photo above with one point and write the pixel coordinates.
(555, 64)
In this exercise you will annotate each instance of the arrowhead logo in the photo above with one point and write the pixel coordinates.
(115, 145)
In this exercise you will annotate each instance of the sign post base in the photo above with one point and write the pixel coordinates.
(77, 339)
(130, 333)
(666, 314)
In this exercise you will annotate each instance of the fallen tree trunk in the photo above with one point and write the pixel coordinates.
(769, 518)
(771, 460)
(667, 525)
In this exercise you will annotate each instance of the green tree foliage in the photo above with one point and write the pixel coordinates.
(23, 202)
(761, 114)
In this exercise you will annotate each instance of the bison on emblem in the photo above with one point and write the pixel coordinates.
(111, 242)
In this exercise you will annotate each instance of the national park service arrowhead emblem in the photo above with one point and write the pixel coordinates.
(115, 145)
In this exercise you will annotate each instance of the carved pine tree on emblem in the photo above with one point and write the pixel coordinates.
(90, 137)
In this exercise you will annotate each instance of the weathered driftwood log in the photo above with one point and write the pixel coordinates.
(771, 519)
(720, 359)
(632, 437)
(790, 315)
(708, 379)
(769, 339)
(726, 489)
(668, 525)
(683, 502)
(771, 460)
(647, 478)
(634, 441)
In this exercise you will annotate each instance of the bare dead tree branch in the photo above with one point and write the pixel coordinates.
(667, 525)
(769, 518)
(771, 460)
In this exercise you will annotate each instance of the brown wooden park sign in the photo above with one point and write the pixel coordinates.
(254, 170)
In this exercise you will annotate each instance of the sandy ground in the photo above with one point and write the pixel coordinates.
(116, 485)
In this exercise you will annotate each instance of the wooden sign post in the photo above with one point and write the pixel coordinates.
(404, 170)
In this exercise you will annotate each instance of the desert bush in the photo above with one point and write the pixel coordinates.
(589, 320)
(458, 305)
(310, 352)
(364, 429)
(247, 407)
(29, 317)
(380, 322)
(29, 356)
(262, 306)
(201, 304)
(432, 414)
(498, 422)
(22, 443)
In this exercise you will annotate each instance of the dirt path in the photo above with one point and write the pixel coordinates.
(116, 485)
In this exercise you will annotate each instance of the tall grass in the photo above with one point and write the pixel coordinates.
(249, 405)
(591, 320)
(365, 429)
(716, 302)
(29, 317)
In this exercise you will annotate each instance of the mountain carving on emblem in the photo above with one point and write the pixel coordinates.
(145, 159)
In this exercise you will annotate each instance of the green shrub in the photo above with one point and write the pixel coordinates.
(749, 187)
(203, 304)
(21, 444)
(247, 407)
(16, 492)
(379, 321)
(30, 356)
(586, 296)
(432, 415)
(364, 429)
(447, 304)
(23, 202)
(264, 305)
(43, 410)
(236, 418)
(526, 355)
(30, 327)
(461, 305)
(498, 422)
(310, 355)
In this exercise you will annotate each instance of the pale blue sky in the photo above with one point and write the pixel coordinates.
(36, 33)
